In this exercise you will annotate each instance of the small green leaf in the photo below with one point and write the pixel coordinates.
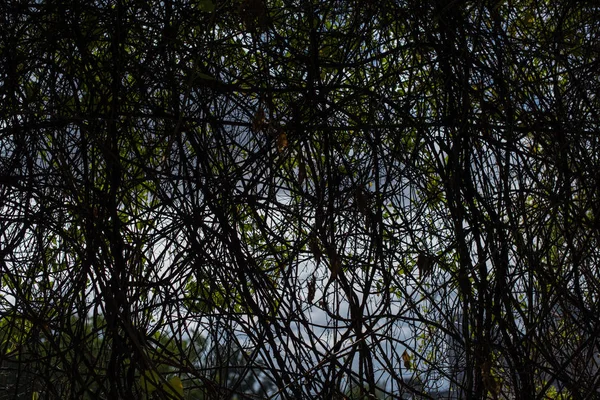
(204, 76)
(206, 5)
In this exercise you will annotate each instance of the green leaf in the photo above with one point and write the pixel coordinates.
(199, 297)
(149, 381)
(174, 387)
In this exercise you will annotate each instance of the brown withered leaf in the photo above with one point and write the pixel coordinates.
(259, 122)
(311, 289)
(254, 14)
(334, 265)
(301, 172)
(406, 359)
(361, 201)
(315, 249)
(424, 264)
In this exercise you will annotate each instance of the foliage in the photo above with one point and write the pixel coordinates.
(279, 199)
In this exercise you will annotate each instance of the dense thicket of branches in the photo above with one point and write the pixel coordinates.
(310, 199)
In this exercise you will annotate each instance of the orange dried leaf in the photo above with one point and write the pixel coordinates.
(282, 141)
